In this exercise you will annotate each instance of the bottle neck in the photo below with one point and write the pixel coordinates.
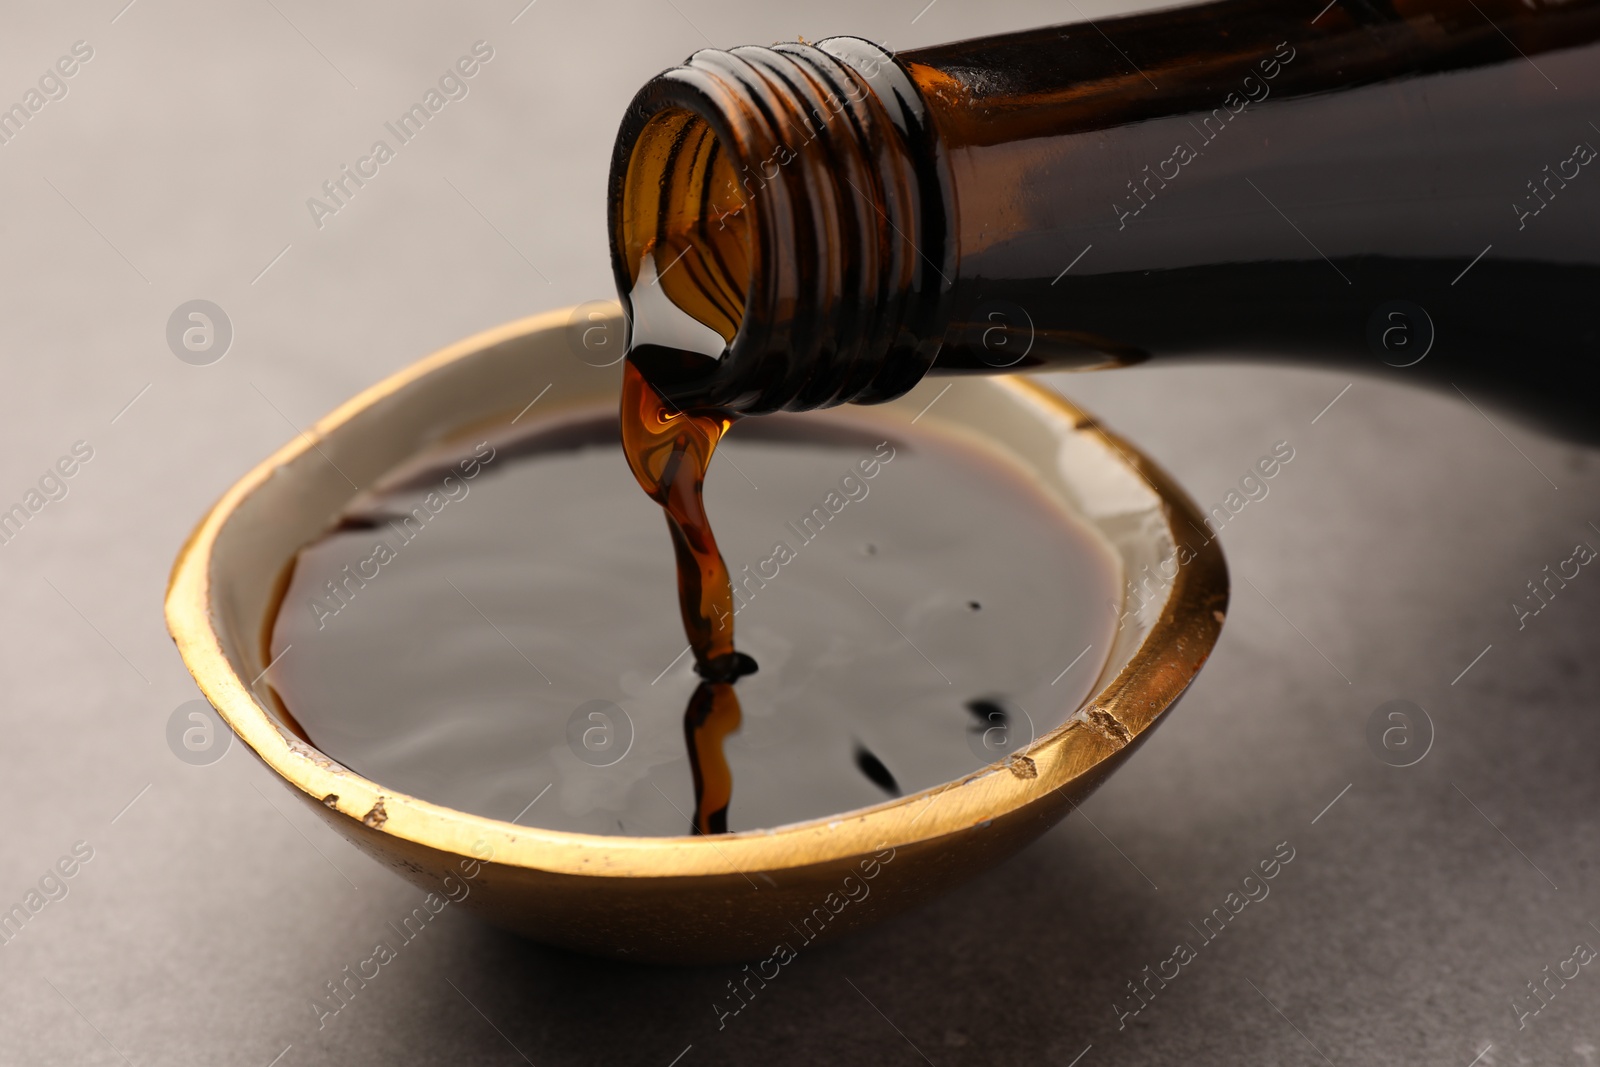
(788, 202)
(1240, 177)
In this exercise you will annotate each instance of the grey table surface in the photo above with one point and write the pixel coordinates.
(1420, 900)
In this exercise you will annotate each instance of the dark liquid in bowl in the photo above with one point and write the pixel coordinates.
(494, 628)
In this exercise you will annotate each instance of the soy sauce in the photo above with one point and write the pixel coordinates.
(497, 628)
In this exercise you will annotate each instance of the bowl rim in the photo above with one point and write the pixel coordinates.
(1111, 720)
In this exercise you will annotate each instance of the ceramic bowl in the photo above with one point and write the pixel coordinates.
(739, 896)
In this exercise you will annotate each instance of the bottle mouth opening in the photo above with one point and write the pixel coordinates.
(777, 229)
(685, 226)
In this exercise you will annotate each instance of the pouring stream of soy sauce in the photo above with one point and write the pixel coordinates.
(669, 452)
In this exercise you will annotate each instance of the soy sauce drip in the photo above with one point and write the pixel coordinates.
(868, 763)
(669, 451)
(712, 715)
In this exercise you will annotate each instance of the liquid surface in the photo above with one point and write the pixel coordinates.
(493, 630)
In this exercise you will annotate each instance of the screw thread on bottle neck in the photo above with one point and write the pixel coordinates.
(794, 202)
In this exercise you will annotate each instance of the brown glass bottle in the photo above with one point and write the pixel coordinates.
(1407, 182)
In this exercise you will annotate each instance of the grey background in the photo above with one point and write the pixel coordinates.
(214, 909)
